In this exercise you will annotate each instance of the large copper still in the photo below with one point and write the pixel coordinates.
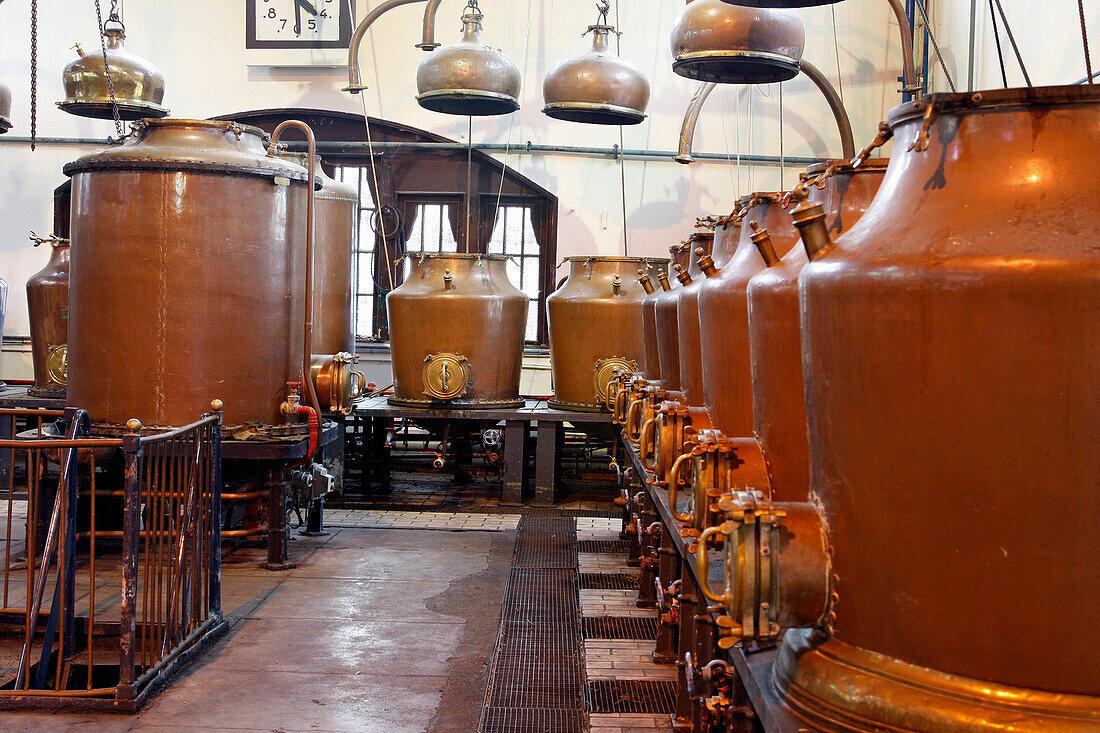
(727, 370)
(594, 322)
(334, 225)
(775, 332)
(48, 309)
(457, 328)
(187, 271)
(954, 433)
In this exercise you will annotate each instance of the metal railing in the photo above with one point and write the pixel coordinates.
(115, 577)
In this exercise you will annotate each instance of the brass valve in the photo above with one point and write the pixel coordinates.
(763, 242)
(706, 262)
(682, 275)
(809, 217)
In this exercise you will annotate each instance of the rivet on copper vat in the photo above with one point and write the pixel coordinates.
(193, 290)
(48, 309)
(457, 328)
(595, 319)
(951, 423)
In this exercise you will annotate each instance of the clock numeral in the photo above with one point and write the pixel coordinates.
(271, 13)
(324, 13)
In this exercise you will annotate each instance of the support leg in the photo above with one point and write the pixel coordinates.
(278, 557)
(515, 461)
(546, 462)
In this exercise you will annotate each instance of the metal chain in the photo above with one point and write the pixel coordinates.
(1085, 40)
(997, 40)
(34, 72)
(106, 66)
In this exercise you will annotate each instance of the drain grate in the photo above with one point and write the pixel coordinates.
(654, 697)
(608, 581)
(537, 680)
(603, 546)
(529, 720)
(619, 627)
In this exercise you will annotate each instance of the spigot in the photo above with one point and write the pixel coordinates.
(448, 280)
(809, 217)
(706, 263)
(662, 278)
(646, 281)
(763, 242)
(617, 285)
(682, 275)
(293, 401)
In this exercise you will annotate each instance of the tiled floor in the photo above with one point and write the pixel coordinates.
(454, 521)
(616, 659)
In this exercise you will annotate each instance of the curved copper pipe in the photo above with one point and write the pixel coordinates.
(909, 82)
(307, 355)
(691, 119)
(354, 83)
(428, 42)
(844, 125)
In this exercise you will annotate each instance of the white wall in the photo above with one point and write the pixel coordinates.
(199, 44)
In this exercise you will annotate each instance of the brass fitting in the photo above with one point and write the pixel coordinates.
(809, 217)
(706, 263)
(682, 275)
(777, 567)
(763, 242)
(662, 278)
(646, 281)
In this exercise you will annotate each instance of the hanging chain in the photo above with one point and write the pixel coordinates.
(107, 66)
(1085, 40)
(34, 72)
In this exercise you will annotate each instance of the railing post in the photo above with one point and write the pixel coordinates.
(216, 516)
(131, 447)
(70, 487)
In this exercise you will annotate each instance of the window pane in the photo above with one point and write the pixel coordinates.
(365, 317)
(533, 321)
(530, 284)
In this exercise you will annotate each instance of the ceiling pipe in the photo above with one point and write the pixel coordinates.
(354, 81)
(909, 84)
(429, 43)
(843, 123)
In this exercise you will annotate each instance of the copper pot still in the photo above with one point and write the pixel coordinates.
(48, 309)
(666, 283)
(687, 317)
(775, 331)
(334, 226)
(666, 308)
(595, 322)
(457, 327)
(724, 319)
(193, 290)
(951, 341)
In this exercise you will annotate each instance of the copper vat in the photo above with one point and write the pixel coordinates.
(775, 333)
(187, 271)
(654, 336)
(951, 340)
(334, 226)
(48, 308)
(595, 319)
(723, 311)
(457, 328)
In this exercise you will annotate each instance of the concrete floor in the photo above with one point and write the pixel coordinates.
(387, 630)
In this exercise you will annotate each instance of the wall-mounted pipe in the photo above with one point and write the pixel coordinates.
(844, 125)
(909, 84)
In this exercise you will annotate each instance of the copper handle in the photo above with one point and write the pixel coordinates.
(361, 382)
(644, 444)
(673, 488)
(702, 568)
(631, 419)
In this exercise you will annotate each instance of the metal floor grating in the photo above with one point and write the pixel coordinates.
(537, 683)
(603, 546)
(608, 581)
(530, 720)
(619, 627)
(653, 697)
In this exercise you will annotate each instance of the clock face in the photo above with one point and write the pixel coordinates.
(298, 23)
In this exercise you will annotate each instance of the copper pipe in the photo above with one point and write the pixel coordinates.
(429, 43)
(909, 83)
(307, 351)
(844, 125)
(691, 119)
(234, 533)
(354, 83)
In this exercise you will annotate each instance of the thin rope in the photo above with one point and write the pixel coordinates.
(469, 175)
(1085, 39)
(935, 45)
(997, 40)
(836, 51)
(752, 166)
(512, 118)
(737, 137)
(378, 191)
(1012, 42)
(622, 146)
(782, 152)
(726, 141)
